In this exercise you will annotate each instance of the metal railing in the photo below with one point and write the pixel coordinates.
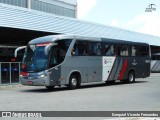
(9, 72)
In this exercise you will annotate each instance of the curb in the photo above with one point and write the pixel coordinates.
(10, 86)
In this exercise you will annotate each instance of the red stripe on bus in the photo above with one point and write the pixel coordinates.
(123, 69)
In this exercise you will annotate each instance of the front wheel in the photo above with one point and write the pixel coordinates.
(73, 82)
(131, 77)
(50, 87)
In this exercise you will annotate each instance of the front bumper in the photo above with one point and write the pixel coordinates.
(35, 82)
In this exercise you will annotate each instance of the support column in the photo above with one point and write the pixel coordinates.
(10, 73)
(29, 4)
(0, 74)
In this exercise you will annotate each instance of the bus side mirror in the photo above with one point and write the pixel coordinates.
(19, 48)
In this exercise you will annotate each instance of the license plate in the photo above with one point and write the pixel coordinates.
(29, 82)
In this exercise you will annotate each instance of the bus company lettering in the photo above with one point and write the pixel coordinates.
(108, 60)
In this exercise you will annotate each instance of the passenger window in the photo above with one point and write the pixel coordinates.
(57, 56)
(124, 50)
(134, 51)
(119, 48)
(144, 51)
(109, 50)
(94, 48)
(99, 49)
(80, 48)
(58, 52)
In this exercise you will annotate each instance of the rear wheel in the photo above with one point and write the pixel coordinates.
(50, 87)
(131, 77)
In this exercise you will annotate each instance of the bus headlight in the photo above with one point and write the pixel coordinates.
(41, 76)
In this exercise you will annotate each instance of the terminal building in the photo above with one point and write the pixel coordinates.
(24, 20)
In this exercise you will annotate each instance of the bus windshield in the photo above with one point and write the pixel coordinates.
(34, 58)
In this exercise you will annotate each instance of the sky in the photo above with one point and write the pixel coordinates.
(125, 14)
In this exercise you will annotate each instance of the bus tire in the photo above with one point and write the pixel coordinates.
(131, 77)
(50, 87)
(73, 82)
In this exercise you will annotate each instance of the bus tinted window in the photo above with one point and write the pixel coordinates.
(80, 48)
(144, 51)
(83, 48)
(127, 50)
(58, 52)
(94, 48)
(109, 49)
(134, 51)
(124, 50)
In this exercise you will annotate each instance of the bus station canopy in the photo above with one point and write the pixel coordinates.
(26, 19)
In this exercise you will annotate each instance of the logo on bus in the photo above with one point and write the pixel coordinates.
(105, 61)
(108, 60)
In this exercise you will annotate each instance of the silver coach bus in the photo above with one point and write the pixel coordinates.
(68, 60)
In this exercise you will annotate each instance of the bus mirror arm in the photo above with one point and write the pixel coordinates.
(17, 49)
(48, 47)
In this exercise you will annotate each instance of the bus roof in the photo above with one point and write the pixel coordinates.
(123, 41)
(52, 38)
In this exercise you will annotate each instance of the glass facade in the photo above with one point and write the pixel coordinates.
(20, 3)
(42, 6)
(51, 8)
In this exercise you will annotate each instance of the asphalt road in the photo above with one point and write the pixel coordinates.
(144, 95)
